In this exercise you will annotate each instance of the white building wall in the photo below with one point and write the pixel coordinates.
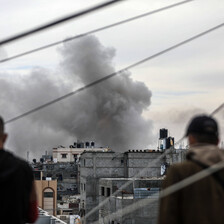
(67, 154)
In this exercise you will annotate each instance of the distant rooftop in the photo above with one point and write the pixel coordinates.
(45, 218)
(133, 178)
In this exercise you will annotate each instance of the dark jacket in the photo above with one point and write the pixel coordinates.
(201, 202)
(16, 179)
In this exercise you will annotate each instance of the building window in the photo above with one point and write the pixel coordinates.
(59, 177)
(84, 187)
(84, 162)
(75, 157)
(108, 192)
(73, 175)
(102, 191)
(48, 194)
(64, 156)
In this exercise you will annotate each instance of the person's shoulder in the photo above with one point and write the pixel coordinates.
(185, 168)
(178, 172)
(183, 165)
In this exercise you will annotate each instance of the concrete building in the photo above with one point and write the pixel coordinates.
(67, 207)
(47, 195)
(134, 163)
(46, 218)
(66, 174)
(141, 192)
(72, 153)
(96, 165)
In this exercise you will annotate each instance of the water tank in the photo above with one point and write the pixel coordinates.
(169, 142)
(163, 133)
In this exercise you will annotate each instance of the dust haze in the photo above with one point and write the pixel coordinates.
(110, 113)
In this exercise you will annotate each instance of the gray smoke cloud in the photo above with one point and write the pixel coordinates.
(110, 113)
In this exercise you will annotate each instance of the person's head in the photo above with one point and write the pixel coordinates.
(203, 129)
(3, 135)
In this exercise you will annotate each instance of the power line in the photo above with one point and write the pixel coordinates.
(169, 190)
(115, 73)
(58, 21)
(155, 161)
(95, 31)
(216, 110)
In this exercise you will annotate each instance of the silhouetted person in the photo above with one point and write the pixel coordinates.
(203, 201)
(18, 201)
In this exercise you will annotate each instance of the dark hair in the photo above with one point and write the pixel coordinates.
(1, 126)
(203, 125)
(206, 138)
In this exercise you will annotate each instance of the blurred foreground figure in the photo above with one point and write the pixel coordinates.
(18, 201)
(203, 201)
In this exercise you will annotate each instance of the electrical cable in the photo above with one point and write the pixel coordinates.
(94, 31)
(169, 190)
(58, 21)
(115, 73)
(155, 161)
(217, 109)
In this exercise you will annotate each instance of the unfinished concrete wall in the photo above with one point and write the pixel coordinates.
(96, 165)
(141, 214)
(150, 162)
(102, 164)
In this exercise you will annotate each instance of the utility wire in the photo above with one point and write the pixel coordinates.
(139, 175)
(94, 31)
(169, 190)
(155, 161)
(58, 21)
(216, 110)
(115, 73)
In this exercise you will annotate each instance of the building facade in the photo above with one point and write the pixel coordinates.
(96, 165)
(72, 153)
(138, 195)
(47, 195)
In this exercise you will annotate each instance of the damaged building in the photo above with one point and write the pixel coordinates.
(140, 164)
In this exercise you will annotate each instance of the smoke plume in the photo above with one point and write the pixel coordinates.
(109, 113)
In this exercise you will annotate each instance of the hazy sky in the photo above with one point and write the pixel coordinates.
(181, 83)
